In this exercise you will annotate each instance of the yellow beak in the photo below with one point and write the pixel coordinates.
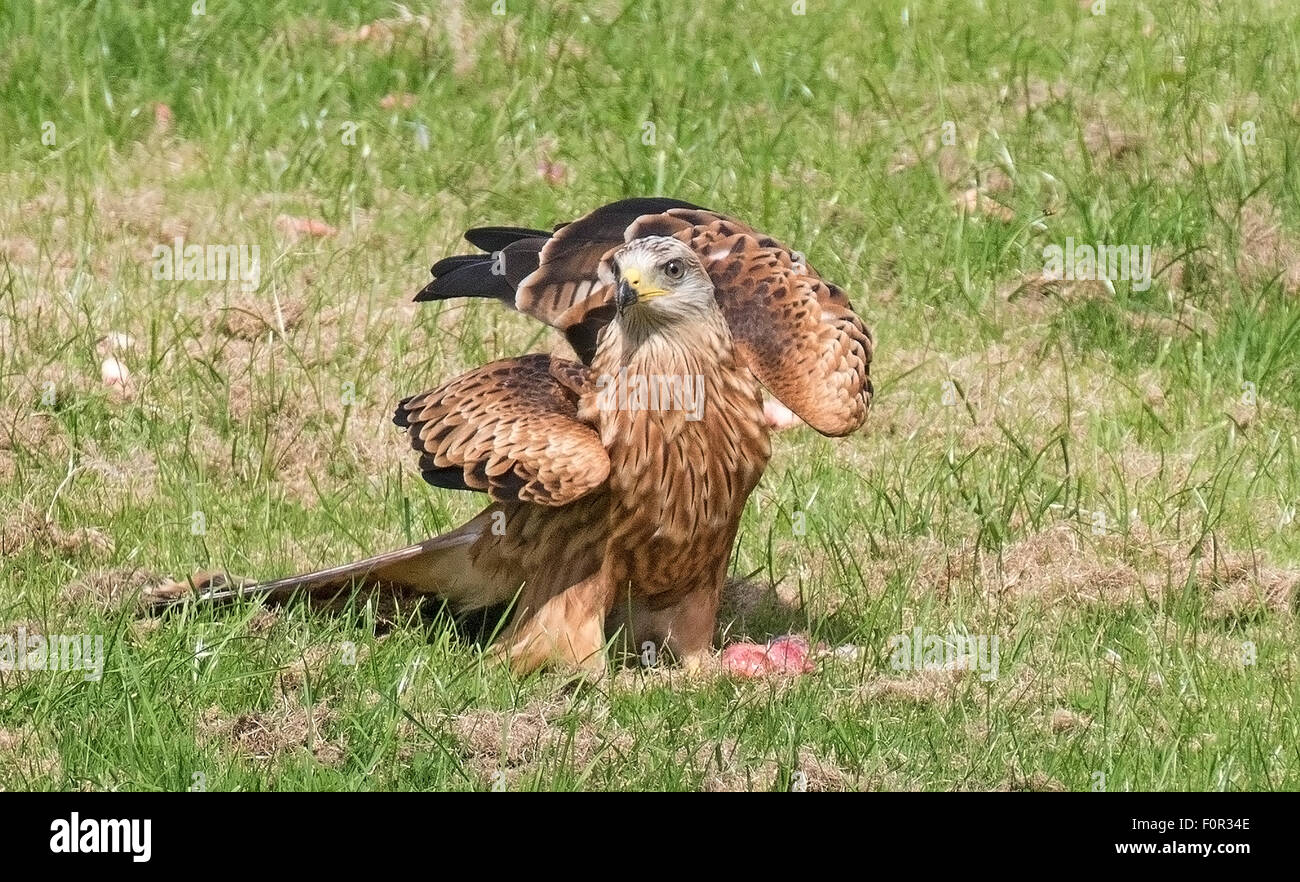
(631, 289)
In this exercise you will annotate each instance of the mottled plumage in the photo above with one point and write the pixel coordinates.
(618, 482)
(797, 332)
(510, 429)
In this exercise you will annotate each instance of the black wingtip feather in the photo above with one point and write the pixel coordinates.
(495, 238)
(402, 415)
(468, 280)
(450, 478)
(455, 262)
(470, 275)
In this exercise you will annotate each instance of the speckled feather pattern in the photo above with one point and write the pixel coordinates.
(617, 517)
(797, 332)
(511, 428)
(630, 506)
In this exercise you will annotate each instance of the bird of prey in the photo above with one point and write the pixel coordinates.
(618, 481)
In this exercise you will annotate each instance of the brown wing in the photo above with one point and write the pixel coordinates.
(510, 428)
(798, 333)
(569, 271)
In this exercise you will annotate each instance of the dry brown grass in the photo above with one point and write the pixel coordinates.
(254, 318)
(312, 661)
(28, 755)
(1108, 142)
(726, 773)
(270, 735)
(976, 201)
(1240, 585)
(1065, 720)
(513, 743)
(107, 589)
(1033, 782)
(1265, 248)
(1067, 566)
(506, 746)
(26, 528)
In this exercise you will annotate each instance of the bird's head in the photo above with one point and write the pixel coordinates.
(659, 279)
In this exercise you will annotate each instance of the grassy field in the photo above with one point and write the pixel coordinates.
(1103, 475)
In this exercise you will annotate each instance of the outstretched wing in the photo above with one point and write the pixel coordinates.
(569, 269)
(797, 332)
(510, 428)
(538, 273)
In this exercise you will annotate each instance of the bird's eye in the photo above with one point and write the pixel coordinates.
(613, 265)
(674, 269)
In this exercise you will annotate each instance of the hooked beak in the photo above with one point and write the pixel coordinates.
(630, 290)
(625, 295)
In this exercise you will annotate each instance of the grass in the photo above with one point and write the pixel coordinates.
(1104, 478)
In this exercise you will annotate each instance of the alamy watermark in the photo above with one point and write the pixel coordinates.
(652, 392)
(22, 651)
(179, 262)
(1084, 262)
(78, 835)
(919, 651)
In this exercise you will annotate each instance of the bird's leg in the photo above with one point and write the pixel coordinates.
(689, 626)
(567, 629)
(683, 631)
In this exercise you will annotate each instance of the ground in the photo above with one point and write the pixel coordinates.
(1103, 475)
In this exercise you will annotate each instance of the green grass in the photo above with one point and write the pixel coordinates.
(1007, 417)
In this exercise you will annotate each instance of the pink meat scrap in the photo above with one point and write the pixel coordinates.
(788, 654)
